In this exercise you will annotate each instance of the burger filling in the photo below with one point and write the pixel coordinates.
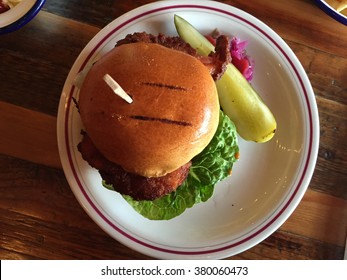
(136, 186)
(216, 62)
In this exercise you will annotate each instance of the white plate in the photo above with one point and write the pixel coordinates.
(327, 7)
(267, 183)
(19, 15)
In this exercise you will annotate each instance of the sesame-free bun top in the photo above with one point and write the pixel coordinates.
(174, 114)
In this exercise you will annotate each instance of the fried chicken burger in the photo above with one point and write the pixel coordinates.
(145, 149)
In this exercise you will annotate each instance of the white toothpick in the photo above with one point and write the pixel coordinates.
(117, 89)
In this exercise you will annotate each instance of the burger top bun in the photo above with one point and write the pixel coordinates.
(174, 114)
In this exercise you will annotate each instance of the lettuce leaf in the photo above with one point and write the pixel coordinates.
(212, 165)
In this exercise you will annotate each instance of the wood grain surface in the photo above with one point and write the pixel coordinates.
(39, 216)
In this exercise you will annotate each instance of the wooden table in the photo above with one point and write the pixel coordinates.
(39, 215)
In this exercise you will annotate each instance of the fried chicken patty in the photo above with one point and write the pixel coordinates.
(216, 62)
(136, 186)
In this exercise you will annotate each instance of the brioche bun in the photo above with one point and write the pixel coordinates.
(174, 114)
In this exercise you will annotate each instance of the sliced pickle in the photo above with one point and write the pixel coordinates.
(254, 121)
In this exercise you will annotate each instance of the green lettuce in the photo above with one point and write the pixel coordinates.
(212, 165)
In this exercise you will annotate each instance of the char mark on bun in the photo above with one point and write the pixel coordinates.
(144, 149)
(171, 87)
(162, 120)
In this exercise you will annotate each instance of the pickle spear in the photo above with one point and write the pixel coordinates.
(253, 119)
